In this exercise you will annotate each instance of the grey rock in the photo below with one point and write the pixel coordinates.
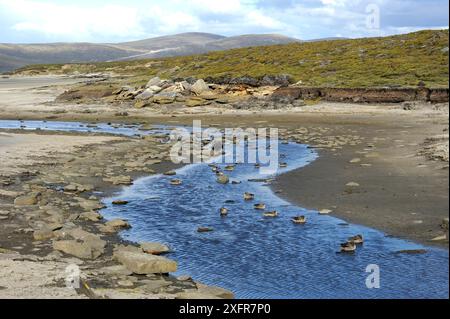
(141, 263)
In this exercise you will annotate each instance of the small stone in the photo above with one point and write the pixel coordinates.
(184, 278)
(352, 184)
(125, 283)
(43, 234)
(27, 200)
(325, 211)
(412, 251)
(439, 238)
(355, 160)
(91, 216)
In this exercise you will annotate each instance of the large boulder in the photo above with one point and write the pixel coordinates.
(200, 87)
(156, 81)
(163, 98)
(74, 248)
(118, 224)
(148, 93)
(82, 240)
(142, 264)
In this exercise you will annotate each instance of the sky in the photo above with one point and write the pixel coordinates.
(40, 21)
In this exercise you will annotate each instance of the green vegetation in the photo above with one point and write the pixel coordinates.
(401, 60)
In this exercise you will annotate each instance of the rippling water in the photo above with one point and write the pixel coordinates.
(259, 257)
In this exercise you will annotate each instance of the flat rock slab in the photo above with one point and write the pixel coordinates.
(142, 264)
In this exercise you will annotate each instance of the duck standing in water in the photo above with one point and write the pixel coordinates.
(299, 220)
(249, 196)
(223, 212)
(229, 168)
(358, 239)
(176, 182)
(271, 214)
(348, 247)
(260, 206)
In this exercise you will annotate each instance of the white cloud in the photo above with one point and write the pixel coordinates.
(76, 22)
(258, 18)
(121, 20)
(218, 6)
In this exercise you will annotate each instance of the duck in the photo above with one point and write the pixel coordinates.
(260, 206)
(120, 202)
(271, 214)
(223, 211)
(358, 239)
(299, 220)
(249, 196)
(214, 169)
(176, 182)
(348, 247)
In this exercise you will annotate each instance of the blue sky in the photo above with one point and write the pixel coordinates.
(25, 21)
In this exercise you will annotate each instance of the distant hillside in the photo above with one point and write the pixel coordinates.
(172, 41)
(17, 55)
(401, 60)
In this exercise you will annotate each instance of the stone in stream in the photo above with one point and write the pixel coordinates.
(355, 160)
(141, 263)
(170, 173)
(411, 251)
(120, 202)
(154, 248)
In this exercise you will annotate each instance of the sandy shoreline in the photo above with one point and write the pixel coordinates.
(400, 192)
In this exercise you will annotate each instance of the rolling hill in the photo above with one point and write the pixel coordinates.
(400, 60)
(17, 55)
